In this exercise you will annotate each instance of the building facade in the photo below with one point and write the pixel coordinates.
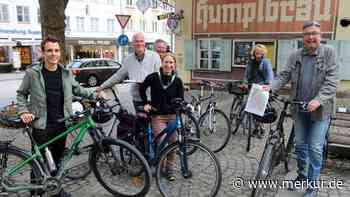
(218, 35)
(91, 28)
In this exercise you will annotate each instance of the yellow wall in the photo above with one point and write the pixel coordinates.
(343, 33)
(183, 33)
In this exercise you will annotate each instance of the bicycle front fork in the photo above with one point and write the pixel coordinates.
(183, 161)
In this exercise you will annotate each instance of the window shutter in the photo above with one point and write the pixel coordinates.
(285, 48)
(190, 54)
(225, 55)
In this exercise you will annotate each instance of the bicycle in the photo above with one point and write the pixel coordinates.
(239, 117)
(190, 155)
(276, 150)
(214, 125)
(38, 178)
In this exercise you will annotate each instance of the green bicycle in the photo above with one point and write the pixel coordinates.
(24, 173)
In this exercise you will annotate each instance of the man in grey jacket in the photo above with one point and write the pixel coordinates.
(50, 88)
(312, 72)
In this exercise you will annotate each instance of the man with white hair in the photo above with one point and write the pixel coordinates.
(137, 65)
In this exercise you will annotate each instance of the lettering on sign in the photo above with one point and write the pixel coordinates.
(261, 15)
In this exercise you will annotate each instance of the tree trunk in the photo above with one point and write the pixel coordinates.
(53, 22)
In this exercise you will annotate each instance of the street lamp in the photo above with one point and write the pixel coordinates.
(344, 22)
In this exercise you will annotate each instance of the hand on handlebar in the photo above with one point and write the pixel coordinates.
(147, 108)
(27, 117)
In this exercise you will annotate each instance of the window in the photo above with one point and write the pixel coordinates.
(110, 2)
(115, 64)
(4, 13)
(143, 25)
(111, 25)
(22, 13)
(242, 52)
(4, 54)
(209, 54)
(154, 4)
(155, 26)
(38, 15)
(129, 2)
(67, 21)
(87, 10)
(80, 24)
(94, 24)
(130, 25)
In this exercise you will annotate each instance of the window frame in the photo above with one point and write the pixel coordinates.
(94, 24)
(4, 13)
(23, 11)
(80, 23)
(210, 54)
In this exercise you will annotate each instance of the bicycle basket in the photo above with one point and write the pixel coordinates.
(233, 88)
(9, 117)
(270, 115)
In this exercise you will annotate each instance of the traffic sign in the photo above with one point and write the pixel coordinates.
(143, 5)
(172, 23)
(123, 19)
(123, 40)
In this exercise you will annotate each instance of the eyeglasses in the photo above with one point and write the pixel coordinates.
(311, 33)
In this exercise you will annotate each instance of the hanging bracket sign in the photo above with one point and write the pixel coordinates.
(123, 19)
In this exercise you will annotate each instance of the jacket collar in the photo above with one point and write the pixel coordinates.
(39, 67)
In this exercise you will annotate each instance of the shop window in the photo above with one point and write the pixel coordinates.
(4, 13)
(209, 54)
(22, 13)
(4, 54)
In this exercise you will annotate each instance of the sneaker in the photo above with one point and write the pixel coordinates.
(310, 193)
(170, 174)
(299, 178)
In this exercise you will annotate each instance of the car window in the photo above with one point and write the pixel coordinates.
(111, 63)
(103, 63)
(87, 64)
(74, 65)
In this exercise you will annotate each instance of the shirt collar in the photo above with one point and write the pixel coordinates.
(305, 52)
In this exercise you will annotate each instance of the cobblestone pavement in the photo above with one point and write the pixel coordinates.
(236, 165)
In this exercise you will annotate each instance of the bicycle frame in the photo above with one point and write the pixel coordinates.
(83, 127)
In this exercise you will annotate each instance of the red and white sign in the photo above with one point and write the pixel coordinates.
(123, 19)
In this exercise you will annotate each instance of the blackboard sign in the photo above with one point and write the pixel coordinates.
(242, 52)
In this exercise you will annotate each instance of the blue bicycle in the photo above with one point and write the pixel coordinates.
(196, 170)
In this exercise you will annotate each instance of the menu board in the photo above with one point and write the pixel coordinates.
(242, 52)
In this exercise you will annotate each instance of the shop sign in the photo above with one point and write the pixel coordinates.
(240, 16)
(19, 31)
(94, 42)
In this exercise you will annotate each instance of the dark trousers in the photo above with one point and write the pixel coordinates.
(56, 148)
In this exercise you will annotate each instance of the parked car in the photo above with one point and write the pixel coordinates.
(93, 71)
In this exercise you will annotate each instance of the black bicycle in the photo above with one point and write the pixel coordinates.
(276, 150)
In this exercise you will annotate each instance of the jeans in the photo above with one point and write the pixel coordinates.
(310, 136)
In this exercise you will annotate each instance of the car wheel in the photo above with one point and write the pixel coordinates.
(92, 81)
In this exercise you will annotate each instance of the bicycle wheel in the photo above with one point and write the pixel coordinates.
(116, 175)
(234, 111)
(215, 130)
(79, 167)
(30, 173)
(202, 177)
(264, 171)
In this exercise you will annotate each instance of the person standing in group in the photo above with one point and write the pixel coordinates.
(165, 85)
(137, 65)
(259, 71)
(312, 71)
(160, 46)
(49, 87)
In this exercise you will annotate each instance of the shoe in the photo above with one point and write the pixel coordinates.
(170, 174)
(310, 193)
(299, 178)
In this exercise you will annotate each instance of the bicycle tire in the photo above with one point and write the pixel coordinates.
(207, 135)
(264, 170)
(33, 174)
(79, 167)
(234, 112)
(120, 169)
(202, 160)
